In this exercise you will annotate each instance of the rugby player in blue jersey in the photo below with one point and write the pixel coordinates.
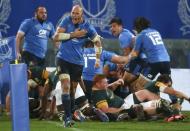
(89, 71)
(126, 38)
(126, 41)
(73, 31)
(150, 42)
(35, 31)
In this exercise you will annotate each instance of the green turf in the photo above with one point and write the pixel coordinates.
(36, 125)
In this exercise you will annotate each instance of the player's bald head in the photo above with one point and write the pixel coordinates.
(77, 14)
(77, 8)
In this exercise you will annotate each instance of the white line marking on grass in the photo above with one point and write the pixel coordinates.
(61, 125)
(55, 123)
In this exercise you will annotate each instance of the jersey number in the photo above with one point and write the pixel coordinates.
(86, 60)
(156, 39)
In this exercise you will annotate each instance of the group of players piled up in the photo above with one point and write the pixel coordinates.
(92, 83)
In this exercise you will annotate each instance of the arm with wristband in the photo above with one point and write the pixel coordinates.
(98, 49)
(61, 35)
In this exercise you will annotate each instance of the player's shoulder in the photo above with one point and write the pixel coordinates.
(87, 24)
(28, 20)
(49, 23)
(89, 50)
(148, 30)
(126, 32)
(125, 35)
(68, 18)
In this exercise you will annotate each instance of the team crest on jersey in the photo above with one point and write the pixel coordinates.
(98, 12)
(5, 10)
(184, 15)
(42, 33)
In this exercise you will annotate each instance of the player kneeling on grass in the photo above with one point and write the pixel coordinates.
(108, 102)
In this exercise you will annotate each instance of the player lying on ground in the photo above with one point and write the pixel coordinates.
(108, 102)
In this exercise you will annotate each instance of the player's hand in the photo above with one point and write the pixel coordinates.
(97, 63)
(120, 81)
(79, 33)
(18, 56)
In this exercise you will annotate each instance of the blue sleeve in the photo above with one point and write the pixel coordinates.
(112, 66)
(107, 55)
(138, 43)
(25, 26)
(64, 22)
(125, 40)
(91, 31)
(52, 32)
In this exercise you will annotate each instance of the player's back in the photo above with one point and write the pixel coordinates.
(153, 45)
(126, 39)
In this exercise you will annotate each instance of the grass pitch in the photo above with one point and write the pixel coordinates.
(36, 125)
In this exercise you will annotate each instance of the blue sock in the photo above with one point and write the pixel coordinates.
(72, 104)
(67, 105)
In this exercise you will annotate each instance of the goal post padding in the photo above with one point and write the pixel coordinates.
(19, 97)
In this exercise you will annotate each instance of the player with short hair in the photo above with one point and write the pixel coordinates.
(73, 31)
(89, 71)
(108, 102)
(127, 40)
(36, 31)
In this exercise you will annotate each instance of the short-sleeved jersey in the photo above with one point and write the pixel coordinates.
(150, 42)
(89, 71)
(112, 66)
(36, 36)
(155, 87)
(125, 39)
(101, 96)
(72, 50)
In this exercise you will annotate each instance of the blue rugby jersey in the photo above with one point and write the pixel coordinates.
(36, 36)
(72, 50)
(89, 71)
(150, 42)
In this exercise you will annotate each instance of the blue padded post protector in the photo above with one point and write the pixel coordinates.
(19, 97)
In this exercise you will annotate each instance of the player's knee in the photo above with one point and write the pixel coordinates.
(65, 82)
(63, 77)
